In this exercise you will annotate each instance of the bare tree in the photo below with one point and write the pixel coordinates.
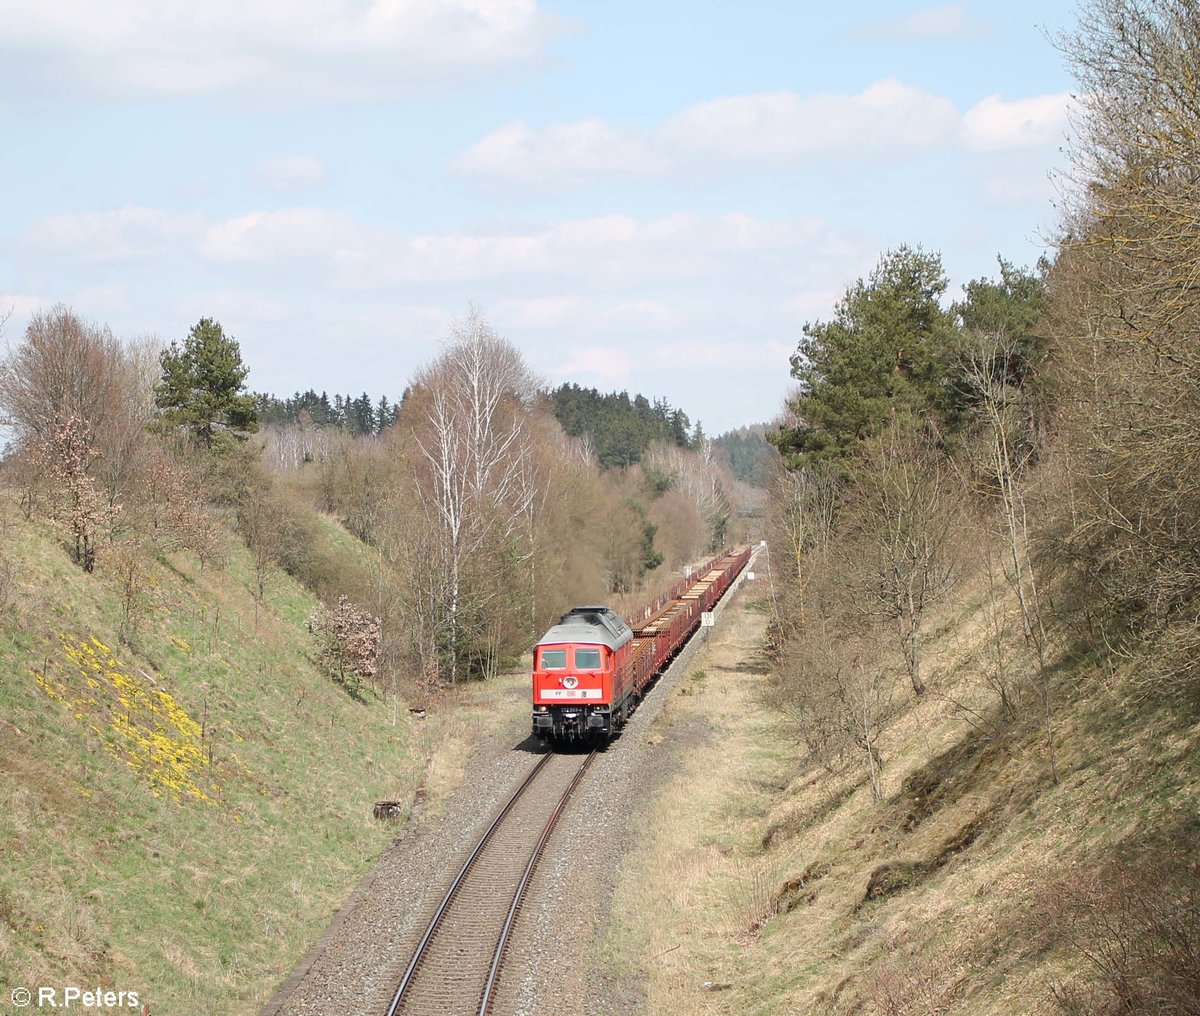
(170, 509)
(260, 516)
(1137, 150)
(64, 369)
(294, 445)
(804, 507)
(128, 562)
(904, 524)
(1127, 296)
(701, 478)
(1006, 443)
(1002, 410)
(121, 433)
(836, 681)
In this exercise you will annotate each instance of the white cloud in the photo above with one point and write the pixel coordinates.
(120, 234)
(338, 49)
(597, 364)
(594, 279)
(994, 125)
(785, 128)
(537, 312)
(288, 235)
(946, 22)
(770, 130)
(290, 173)
(562, 155)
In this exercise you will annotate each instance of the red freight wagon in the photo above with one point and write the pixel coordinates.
(591, 669)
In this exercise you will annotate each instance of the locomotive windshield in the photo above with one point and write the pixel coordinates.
(587, 659)
(553, 659)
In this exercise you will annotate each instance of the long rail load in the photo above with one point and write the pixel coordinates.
(592, 668)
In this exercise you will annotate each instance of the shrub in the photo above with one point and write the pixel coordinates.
(348, 637)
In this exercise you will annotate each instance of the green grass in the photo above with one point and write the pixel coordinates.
(124, 877)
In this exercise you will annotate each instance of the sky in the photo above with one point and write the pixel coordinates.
(652, 196)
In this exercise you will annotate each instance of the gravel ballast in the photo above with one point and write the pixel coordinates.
(355, 966)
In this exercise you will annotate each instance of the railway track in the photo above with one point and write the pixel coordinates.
(458, 960)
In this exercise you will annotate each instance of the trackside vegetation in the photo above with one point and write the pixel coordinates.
(957, 720)
(180, 815)
(223, 640)
(984, 514)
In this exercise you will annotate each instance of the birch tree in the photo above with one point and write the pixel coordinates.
(700, 477)
(472, 487)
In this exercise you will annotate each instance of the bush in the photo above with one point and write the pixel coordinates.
(348, 638)
(1133, 928)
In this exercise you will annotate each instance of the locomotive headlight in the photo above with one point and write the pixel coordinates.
(570, 682)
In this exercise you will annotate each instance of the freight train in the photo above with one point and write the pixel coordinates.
(592, 668)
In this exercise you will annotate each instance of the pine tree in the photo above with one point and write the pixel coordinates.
(888, 349)
(203, 384)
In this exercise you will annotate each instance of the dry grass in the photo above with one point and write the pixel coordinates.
(792, 888)
(698, 887)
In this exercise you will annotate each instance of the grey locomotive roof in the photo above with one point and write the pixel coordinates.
(596, 624)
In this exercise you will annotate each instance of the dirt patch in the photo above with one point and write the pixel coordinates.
(943, 781)
(897, 876)
(799, 891)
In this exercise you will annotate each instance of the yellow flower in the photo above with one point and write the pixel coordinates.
(145, 727)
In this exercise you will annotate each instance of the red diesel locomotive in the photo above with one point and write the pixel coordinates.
(592, 668)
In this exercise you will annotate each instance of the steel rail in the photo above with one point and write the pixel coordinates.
(510, 921)
(431, 929)
(519, 895)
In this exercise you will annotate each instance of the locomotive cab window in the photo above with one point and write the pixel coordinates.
(553, 659)
(587, 659)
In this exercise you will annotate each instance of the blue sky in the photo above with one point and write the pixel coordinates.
(654, 196)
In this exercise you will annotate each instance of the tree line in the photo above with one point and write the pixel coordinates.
(358, 416)
(618, 428)
(484, 518)
(1039, 436)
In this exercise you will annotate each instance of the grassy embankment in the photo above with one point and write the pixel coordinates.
(181, 817)
(979, 885)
